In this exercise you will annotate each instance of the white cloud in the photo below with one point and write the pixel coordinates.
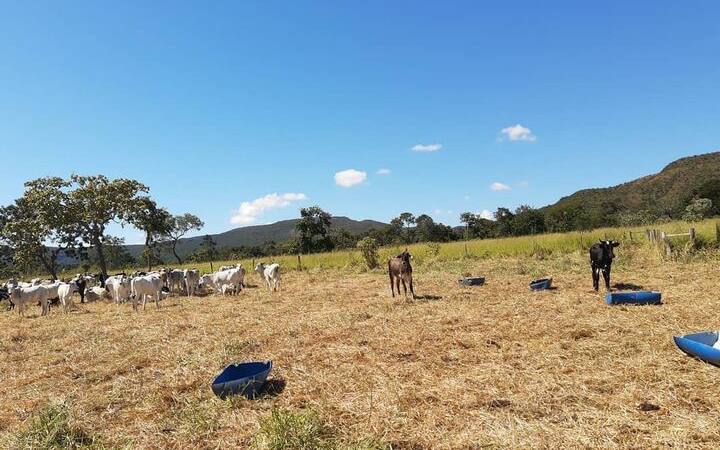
(497, 186)
(384, 172)
(518, 133)
(467, 197)
(350, 177)
(249, 212)
(426, 148)
(487, 214)
(442, 212)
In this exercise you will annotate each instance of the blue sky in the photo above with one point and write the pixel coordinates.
(213, 105)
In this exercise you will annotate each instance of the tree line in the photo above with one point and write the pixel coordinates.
(59, 218)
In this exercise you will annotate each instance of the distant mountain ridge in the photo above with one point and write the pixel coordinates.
(665, 193)
(259, 234)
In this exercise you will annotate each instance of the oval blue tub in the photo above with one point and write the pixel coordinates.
(472, 281)
(701, 346)
(633, 298)
(245, 379)
(541, 284)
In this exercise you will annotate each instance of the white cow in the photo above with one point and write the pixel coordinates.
(233, 277)
(192, 281)
(65, 292)
(271, 274)
(23, 296)
(119, 288)
(146, 286)
(95, 293)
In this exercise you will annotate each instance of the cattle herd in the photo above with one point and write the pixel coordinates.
(228, 280)
(135, 288)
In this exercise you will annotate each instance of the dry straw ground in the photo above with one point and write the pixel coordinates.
(486, 367)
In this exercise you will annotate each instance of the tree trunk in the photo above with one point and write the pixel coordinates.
(48, 265)
(175, 253)
(101, 257)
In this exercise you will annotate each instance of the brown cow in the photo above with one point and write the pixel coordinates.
(399, 269)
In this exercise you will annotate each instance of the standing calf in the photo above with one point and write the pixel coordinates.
(601, 257)
(399, 269)
(271, 274)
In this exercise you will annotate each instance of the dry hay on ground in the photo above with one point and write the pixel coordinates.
(495, 366)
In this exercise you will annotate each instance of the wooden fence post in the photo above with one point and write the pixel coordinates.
(666, 243)
(299, 266)
(717, 234)
(692, 237)
(631, 238)
(466, 250)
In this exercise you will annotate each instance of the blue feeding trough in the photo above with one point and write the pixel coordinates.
(633, 298)
(541, 284)
(472, 281)
(245, 379)
(701, 346)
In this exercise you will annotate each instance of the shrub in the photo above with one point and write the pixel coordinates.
(369, 249)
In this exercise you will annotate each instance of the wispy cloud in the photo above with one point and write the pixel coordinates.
(487, 214)
(384, 172)
(350, 177)
(427, 148)
(442, 212)
(249, 212)
(518, 133)
(523, 184)
(497, 186)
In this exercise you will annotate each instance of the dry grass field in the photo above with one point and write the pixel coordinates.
(460, 368)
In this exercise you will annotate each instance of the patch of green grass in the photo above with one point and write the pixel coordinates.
(287, 430)
(52, 427)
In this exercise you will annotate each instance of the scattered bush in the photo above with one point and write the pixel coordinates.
(369, 249)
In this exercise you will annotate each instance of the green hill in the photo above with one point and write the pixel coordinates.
(662, 195)
(259, 234)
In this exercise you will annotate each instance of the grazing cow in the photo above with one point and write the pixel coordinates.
(23, 296)
(65, 292)
(119, 288)
(601, 258)
(143, 287)
(192, 280)
(400, 269)
(271, 274)
(52, 292)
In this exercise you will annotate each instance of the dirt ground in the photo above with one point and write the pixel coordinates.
(495, 366)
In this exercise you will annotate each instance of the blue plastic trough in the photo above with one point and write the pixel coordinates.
(472, 281)
(245, 379)
(701, 346)
(541, 284)
(634, 298)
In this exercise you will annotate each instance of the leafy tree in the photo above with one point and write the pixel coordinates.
(312, 229)
(402, 227)
(40, 216)
(697, 210)
(95, 201)
(528, 220)
(207, 251)
(504, 218)
(369, 249)
(155, 222)
(341, 238)
(178, 227)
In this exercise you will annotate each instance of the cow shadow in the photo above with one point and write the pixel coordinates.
(428, 297)
(251, 286)
(627, 287)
